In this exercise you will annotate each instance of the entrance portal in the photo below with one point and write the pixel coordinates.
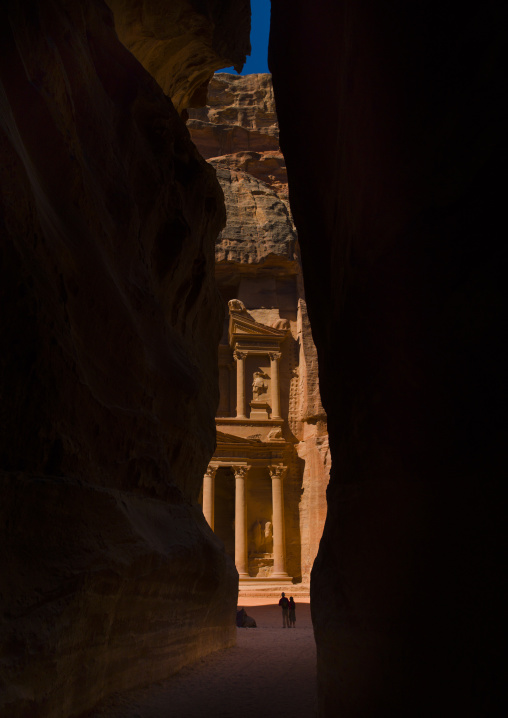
(259, 523)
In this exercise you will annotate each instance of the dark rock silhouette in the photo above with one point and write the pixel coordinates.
(394, 142)
(243, 620)
(110, 321)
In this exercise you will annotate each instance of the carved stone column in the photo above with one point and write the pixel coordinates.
(274, 370)
(277, 474)
(240, 384)
(240, 523)
(209, 495)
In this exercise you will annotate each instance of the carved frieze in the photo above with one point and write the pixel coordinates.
(231, 455)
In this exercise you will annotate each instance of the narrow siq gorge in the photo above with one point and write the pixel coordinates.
(116, 260)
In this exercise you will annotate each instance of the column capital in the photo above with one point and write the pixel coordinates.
(274, 356)
(277, 471)
(239, 355)
(240, 471)
(211, 471)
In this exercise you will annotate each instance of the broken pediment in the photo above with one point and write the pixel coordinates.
(223, 438)
(242, 327)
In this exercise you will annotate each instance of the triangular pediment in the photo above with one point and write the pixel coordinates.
(241, 326)
(223, 438)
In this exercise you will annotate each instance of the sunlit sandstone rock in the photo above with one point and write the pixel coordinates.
(239, 116)
(110, 577)
(268, 166)
(259, 227)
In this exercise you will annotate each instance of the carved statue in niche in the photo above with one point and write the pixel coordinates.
(259, 386)
(261, 537)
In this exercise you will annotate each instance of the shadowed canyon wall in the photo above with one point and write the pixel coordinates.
(182, 43)
(395, 152)
(110, 321)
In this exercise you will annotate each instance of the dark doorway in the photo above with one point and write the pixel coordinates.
(224, 522)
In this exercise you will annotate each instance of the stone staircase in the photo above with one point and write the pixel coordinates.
(271, 588)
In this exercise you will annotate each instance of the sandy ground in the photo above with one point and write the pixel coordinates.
(271, 672)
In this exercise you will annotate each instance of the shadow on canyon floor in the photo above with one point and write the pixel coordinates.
(270, 672)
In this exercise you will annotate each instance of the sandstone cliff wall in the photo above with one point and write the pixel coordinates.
(395, 160)
(257, 261)
(182, 43)
(110, 318)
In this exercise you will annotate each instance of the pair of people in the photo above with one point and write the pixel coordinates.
(288, 611)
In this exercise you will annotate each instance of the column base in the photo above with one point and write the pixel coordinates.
(243, 576)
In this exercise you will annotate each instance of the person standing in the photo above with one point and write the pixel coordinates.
(292, 612)
(284, 604)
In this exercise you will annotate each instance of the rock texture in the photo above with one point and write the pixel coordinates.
(237, 132)
(268, 166)
(110, 322)
(258, 263)
(259, 226)
(182, 43)
(395, 186)
(239, 117)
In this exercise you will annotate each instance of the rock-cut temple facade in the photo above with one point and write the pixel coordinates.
(264, 489)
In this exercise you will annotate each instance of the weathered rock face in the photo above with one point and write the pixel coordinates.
(398, 203)
(259, 227)
(257, 262)
(110, 322)
(268, 166)
(239, 117)
(181, 43)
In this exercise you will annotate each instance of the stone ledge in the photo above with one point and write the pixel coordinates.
(248, 422)
(273, 591)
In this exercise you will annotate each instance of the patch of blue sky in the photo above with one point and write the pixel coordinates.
(260, 28)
